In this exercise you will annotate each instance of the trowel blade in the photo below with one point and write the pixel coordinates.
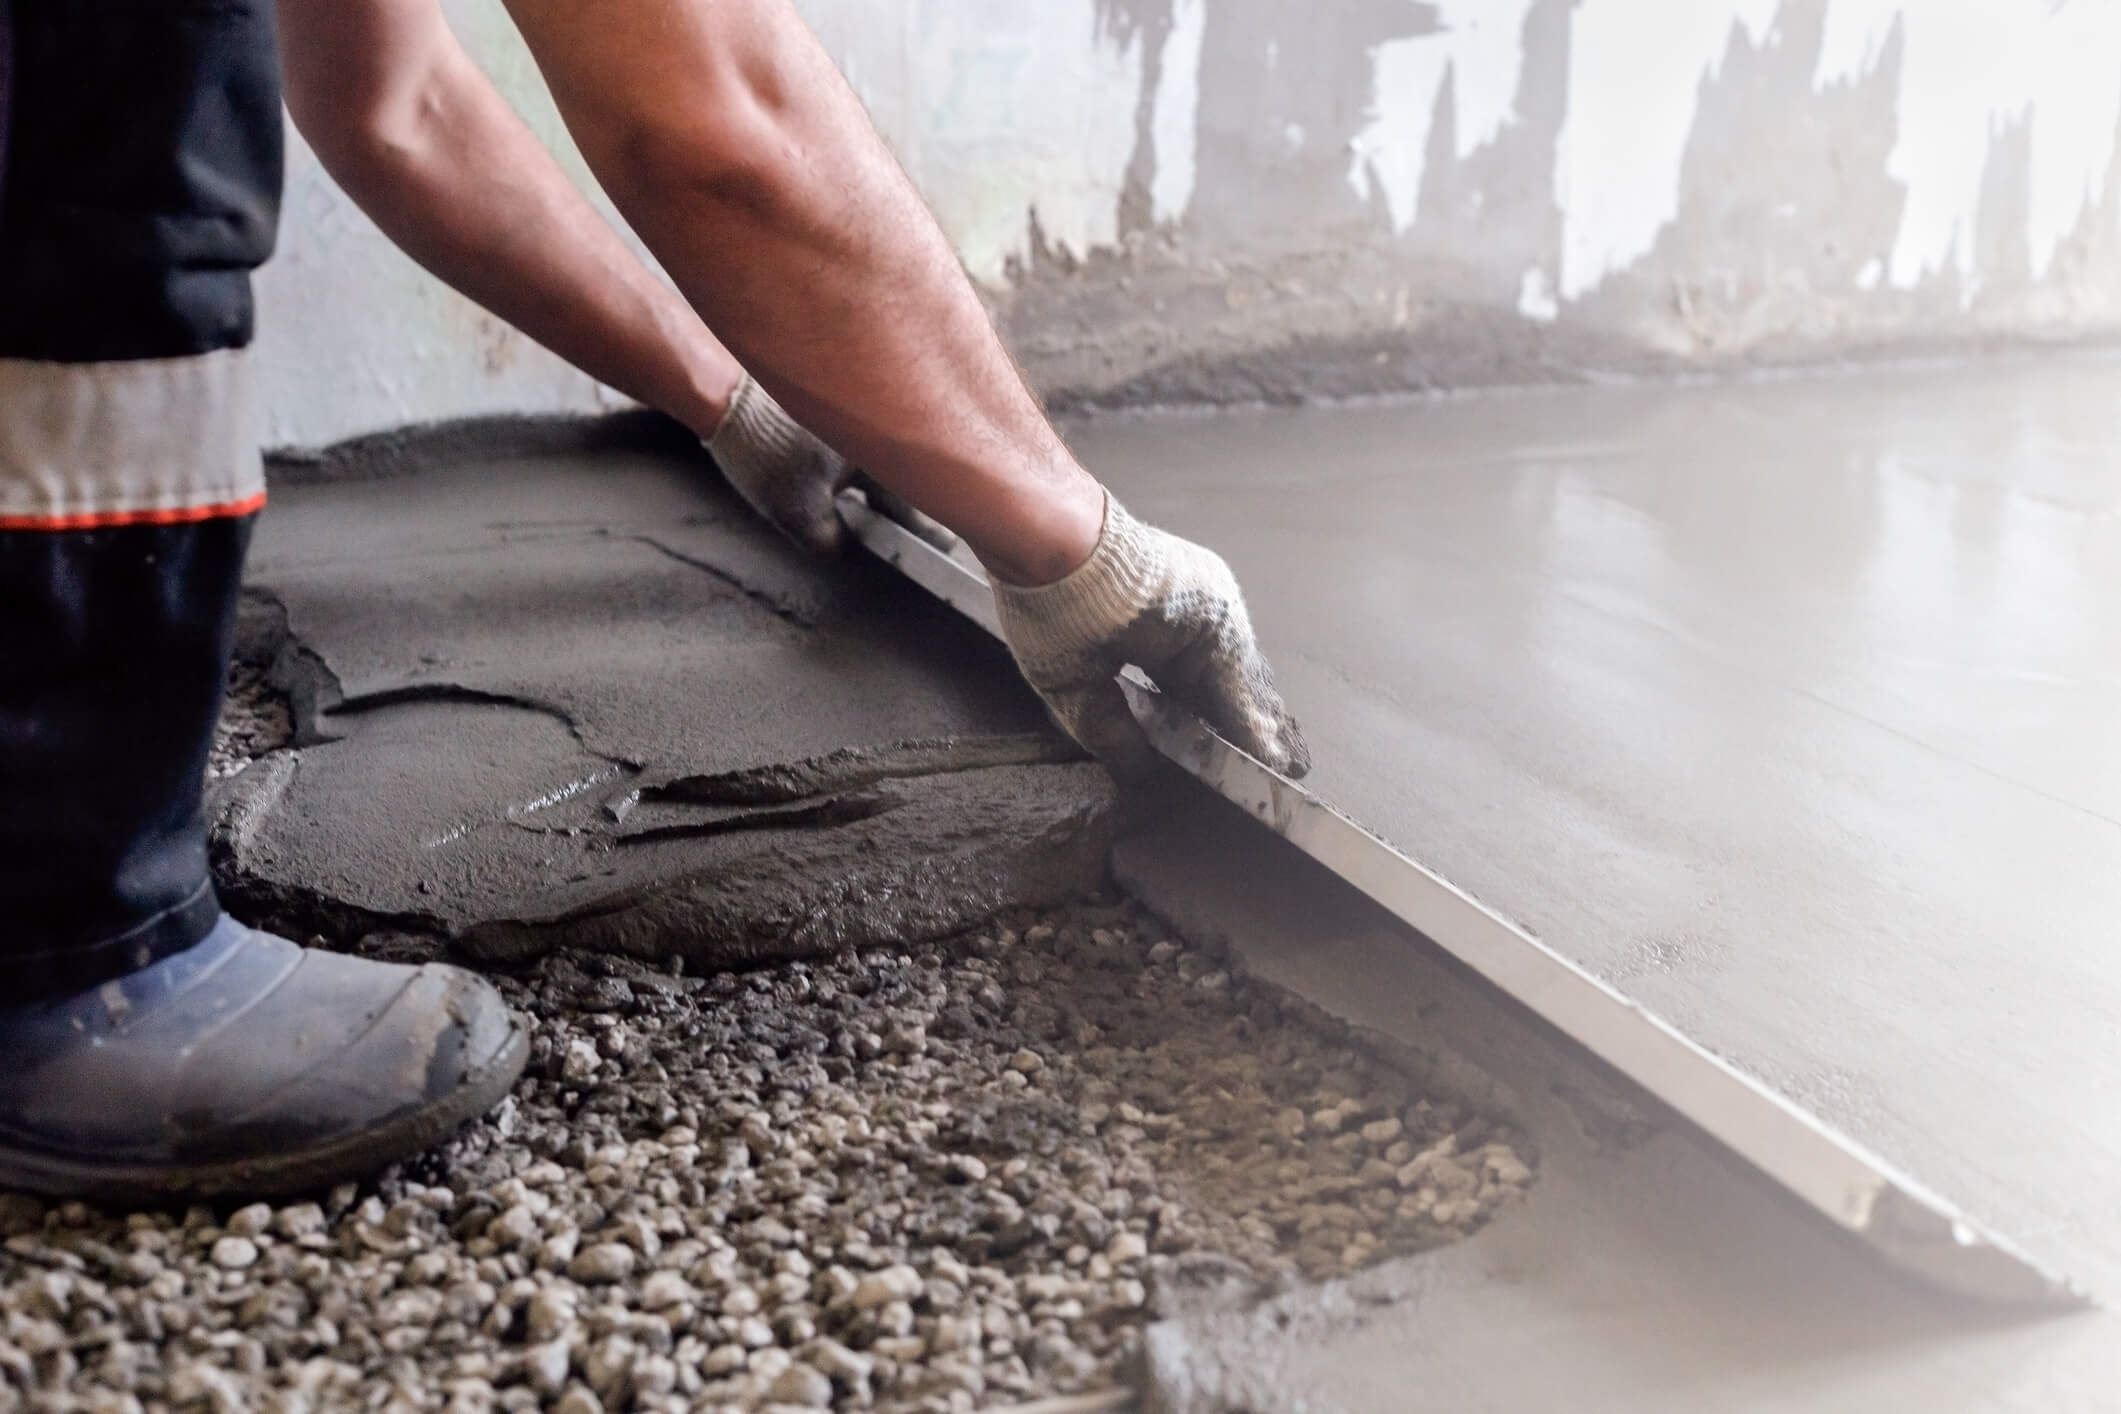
(1916, 1230)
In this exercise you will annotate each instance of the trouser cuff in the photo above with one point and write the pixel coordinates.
(67, 971)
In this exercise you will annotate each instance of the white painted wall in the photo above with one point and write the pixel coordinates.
(1018, 118)
(353, 337)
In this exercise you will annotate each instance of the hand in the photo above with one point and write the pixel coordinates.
(1168, 607)
(794, 480)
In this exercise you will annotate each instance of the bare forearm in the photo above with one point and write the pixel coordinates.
(734, 147)
(407, 124)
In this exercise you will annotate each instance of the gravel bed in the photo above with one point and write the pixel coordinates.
(939, 1181)
(954, 1179)
(254, 720)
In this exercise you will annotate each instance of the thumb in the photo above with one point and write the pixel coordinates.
(808, 513)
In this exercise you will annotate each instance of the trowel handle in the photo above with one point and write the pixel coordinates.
(958, 580)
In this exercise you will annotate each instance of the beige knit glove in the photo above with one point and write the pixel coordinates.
(794, 480)
(1168, 607)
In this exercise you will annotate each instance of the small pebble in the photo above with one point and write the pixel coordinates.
(662, 1290)
(235, 1253)
(251, 1221)
(802, 1386)
(900, 1283)
(581, 1063)
(545, 1366)
(604, 1262)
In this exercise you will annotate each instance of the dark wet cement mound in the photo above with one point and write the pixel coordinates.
(584, 700)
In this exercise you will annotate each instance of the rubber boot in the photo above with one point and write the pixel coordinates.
(155, 1048)
(246, 1066)
(152, 1048)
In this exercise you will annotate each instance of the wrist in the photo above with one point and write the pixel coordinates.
(707, 400)
(1050, 537)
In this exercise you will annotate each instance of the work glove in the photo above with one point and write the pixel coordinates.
(794, 480)
(1168, 607)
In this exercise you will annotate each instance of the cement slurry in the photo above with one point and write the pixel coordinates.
(1789, 708)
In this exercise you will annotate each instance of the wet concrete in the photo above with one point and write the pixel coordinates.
(1647, 1270)
(1789, 708)
(558, 697)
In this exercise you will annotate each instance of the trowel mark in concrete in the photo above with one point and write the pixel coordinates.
(852, 768)
(816, 814)
(367, 829)
(951, 850)
(415, 819)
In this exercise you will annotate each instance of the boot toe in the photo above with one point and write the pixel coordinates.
(274, 1070)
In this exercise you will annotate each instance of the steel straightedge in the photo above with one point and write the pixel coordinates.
(1912, 1227)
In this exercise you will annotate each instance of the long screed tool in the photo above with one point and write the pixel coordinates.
(1910, 1226)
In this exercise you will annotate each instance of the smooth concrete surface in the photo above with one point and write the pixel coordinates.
(1646, 1271)
(589, 698)
(1788, 708)
(1218, 200)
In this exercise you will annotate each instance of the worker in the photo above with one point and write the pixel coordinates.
(156, 1047)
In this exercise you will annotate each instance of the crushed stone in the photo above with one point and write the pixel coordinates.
(830, 1184)
(254, 721)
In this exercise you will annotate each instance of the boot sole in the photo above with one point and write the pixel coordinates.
(276, 1175)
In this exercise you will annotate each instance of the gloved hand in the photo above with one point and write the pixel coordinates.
(793, 479)
(1168, 607)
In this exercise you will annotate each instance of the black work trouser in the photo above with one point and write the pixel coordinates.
(140, 162)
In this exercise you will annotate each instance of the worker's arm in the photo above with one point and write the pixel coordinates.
(417, 135)
(407, 124)
(739, 154)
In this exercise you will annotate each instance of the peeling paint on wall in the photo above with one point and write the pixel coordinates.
(1176, 122)
(1478, 47)
(1003, 113)
(1968, 72)
(1635, 73)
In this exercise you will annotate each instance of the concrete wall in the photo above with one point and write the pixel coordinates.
(1182, 199)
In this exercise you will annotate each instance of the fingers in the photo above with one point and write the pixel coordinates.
(808, 513)
(1097, 716)
(1251, 716)
(888, 503)
(1229, 686)
(797, 497)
